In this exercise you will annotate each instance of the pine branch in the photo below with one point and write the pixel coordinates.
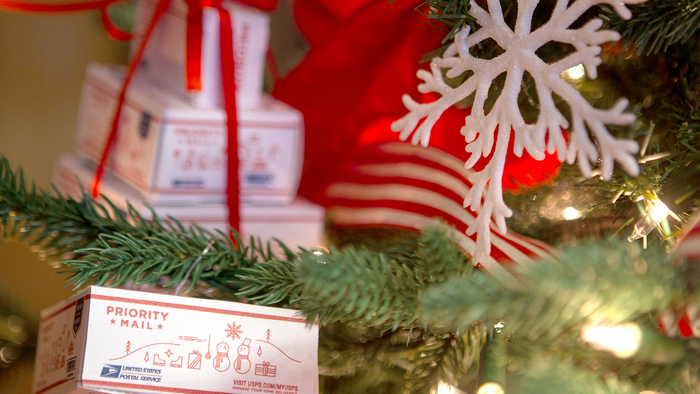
(353, 285)
(553, 375)
(656, 25)
(595, 283)
(120, 258)
(422, 359)
(453, 14)
(613, 282)
(377, 290)
(56, 224)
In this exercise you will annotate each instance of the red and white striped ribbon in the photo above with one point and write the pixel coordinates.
(689, 245)
(685, 323)
(400, 185)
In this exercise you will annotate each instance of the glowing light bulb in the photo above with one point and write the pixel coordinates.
(490, 388)
(575, 73)
(657, 212)
(571, 213)
(621, 340)
(444, 388)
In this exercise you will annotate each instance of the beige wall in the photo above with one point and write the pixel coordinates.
(42, 63)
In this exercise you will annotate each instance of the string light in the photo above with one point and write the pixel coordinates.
(571, 213)
(444, 388)
(657, 212)
(621, 340)
(492, 370)
(575, 73)
(632, 340)
(490, 388)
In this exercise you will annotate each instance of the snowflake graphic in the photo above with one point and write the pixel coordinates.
(519, 46)
(233, 331)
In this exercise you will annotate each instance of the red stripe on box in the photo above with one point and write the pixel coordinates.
(51, 386)
(51, 316)
(199, 308)
(133, 386)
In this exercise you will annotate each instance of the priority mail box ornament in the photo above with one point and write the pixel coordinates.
(112, 340)
(173, 153)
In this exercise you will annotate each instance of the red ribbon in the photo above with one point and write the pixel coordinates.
(228, 79)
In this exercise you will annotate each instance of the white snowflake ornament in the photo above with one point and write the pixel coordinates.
(518, 57)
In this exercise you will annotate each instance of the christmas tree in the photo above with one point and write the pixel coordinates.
(404, 312)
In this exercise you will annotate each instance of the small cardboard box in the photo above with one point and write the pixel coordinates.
(163, 61)
(173, 153)
(107, 340)
(299, 224)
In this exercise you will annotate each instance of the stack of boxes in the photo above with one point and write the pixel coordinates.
(170, 152)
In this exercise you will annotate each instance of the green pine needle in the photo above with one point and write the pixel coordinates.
(658, 24)
(613, 282)
(397, 320)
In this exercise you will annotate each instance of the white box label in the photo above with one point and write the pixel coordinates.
(144, 343)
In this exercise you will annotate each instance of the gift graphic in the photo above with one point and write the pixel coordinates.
(194, 360)
(265, 369)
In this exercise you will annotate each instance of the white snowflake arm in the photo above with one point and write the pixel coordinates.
(545, 134)
(434, 82)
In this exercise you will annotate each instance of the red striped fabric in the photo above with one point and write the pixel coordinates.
(689, 245)
(686, 322)
(400, 185)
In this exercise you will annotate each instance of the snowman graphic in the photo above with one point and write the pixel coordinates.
(221, 360)
(242, 362)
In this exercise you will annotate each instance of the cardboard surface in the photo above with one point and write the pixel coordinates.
(164, 59)
(113, 340)
(173, 153)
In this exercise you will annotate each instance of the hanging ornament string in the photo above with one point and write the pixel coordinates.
(112, 30)
(193, 80)
(228, 79)
(128, 76)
